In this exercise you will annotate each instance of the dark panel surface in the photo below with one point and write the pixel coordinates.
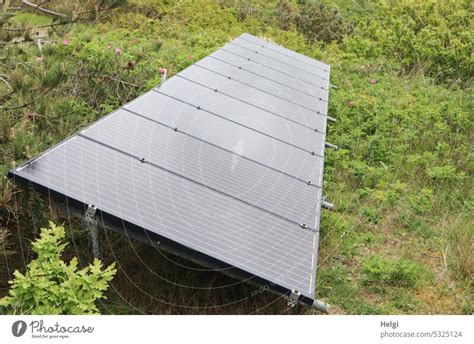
(310, 69)
(284, 51)
(274, 74)
(179, 210)
(243, 113)
(209, 165)
(228, 135)
(312, 103)
(225, 158)
(275, 64)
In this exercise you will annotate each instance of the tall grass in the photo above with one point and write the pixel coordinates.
(461, 247)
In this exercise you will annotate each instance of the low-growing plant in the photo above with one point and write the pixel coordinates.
(400, 273)
(402, 301)
(421, 202)
(371, 215)
(319, 22)
(445, 174)
(52, 286)
(430, 36)
(334, 285)
(285, 14)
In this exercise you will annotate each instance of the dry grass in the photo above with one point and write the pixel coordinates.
(461, 247)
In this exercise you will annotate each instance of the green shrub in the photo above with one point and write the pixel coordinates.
(371, 215)
(319, 22)
(334, 285)
(433, 36)
(421, 202)
(402, 300)
(400, 273)
(51, 286)
(245, 9)
(445, 173)
(285, 14)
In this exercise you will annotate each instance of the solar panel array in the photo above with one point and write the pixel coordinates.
(225, 158)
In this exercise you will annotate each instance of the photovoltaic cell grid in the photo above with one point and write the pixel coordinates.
(225, 158)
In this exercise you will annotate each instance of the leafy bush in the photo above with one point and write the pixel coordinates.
(445, 173)
(334, 285)
(51, 286)
(431, 36)
(401, 273)
(285, 14)
(319, 22)
(370, 215)
(421, 202)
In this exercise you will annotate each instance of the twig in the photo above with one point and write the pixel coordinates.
(121, 81)
(28, 103)
(5, 97)
(427, 255)
(445, 259)
(36, 27)
(4, 78)
(16, 42)
(44, 10)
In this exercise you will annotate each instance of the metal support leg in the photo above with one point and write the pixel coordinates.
(330, 145)
(321, 306)
(327, 205)
(294, 299)
(90, 222)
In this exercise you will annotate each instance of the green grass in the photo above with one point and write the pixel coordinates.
(401, 238)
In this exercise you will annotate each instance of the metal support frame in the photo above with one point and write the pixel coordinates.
(91, 223)
(294, 298)
(110, 222)
(330, 145)
(326, 205)
(321, 306)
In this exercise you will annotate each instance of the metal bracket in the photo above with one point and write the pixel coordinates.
(325, 204)
(306, 227)
(330, 145)
(90, 215)
(294, 298)
(90, 222)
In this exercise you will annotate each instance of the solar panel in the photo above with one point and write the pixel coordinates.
(223, 161)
